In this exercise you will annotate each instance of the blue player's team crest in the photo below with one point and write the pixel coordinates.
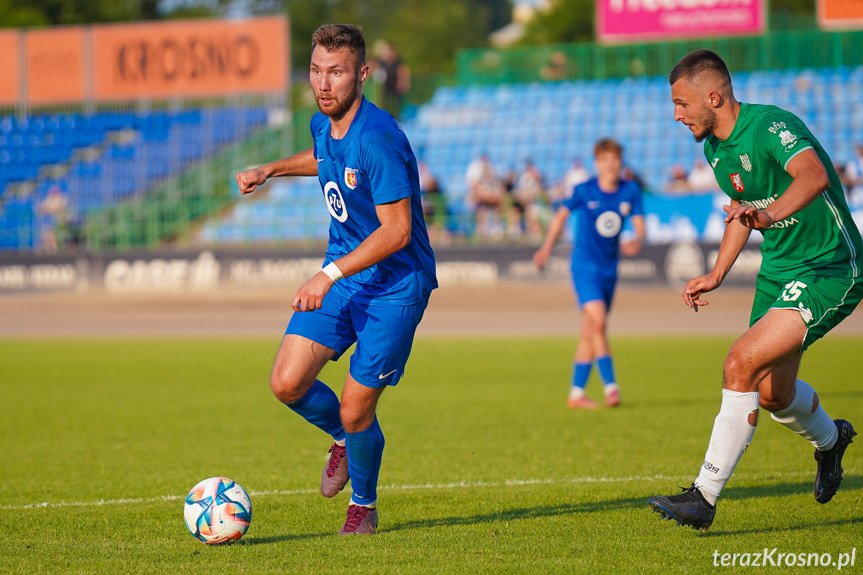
(608, 224)
(335, 202)
(625, 208)
(352, 178)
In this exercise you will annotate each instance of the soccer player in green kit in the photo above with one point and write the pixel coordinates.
(782, 183)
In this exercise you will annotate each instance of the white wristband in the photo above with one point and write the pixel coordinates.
(333, 272)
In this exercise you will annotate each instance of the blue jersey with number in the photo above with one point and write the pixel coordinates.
(373, 164)
(599, 219)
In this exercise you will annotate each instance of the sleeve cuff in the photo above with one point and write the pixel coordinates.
(392, 196)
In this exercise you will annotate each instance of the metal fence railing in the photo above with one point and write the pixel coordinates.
(587, 61)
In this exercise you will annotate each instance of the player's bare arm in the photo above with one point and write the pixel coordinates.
(301, 164)
(633, 246)
(733, 240)
(555, 228)
(393, 234)
(810, 181)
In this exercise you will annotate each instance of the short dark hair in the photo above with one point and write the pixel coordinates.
(697, 63)
(334, 37)
(608, 145)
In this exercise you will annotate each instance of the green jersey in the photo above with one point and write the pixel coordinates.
(820, 239)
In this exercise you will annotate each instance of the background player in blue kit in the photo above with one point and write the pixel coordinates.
(379, 270)
(601, 206)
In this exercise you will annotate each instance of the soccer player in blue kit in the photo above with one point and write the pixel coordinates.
(378, 272)
(601, 206)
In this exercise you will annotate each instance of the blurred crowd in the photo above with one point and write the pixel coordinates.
(700, 179)
(517, 204)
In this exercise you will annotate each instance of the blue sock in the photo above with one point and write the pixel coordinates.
(320, 407)
(606, 369)
(580, 374)
(365, 449)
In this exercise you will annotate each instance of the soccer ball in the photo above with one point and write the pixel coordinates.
(217, 510)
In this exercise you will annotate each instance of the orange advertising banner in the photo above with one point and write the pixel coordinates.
(836, 14)
(55, 65)
(10, 80)
(190, 58)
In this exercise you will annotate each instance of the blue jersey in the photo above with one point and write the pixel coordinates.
(373, 164)
(599, 218)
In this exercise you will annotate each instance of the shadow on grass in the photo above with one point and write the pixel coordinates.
(815, 525)
(804, 486)
(521, 513)
(748, 492)
(505, 515)
(768, 490)
(283, 538)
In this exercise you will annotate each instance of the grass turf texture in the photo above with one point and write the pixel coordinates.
(485, 469)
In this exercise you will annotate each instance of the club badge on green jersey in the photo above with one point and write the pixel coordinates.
(737, 182)
(745, 162)
(786, 138)
(776, 127)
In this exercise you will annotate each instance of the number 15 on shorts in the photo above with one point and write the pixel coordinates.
(793, 290)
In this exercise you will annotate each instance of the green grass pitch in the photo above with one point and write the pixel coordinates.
(485, 469)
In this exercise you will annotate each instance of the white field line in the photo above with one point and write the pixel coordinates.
(421, 486)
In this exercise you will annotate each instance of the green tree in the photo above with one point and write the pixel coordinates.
(57, 12)
(786, 14)
(426, 34)
(498, 13)
(305, 16)
(565, 21)
(13, 15)
(574, 20)
(21, 13)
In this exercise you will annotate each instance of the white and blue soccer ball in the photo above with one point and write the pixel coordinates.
(217, 510)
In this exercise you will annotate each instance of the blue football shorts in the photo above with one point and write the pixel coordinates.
(592, 285)
(384, 335)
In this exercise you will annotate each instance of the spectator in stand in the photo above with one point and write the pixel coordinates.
(560, 191)
(54, 212)
(631, 175)
(556, 69)
(556, 194)
(854, 177)
(393, 78)
(701, 178)
(528, 196)
(677, 181)
(576, 174)
(485, 194)
(434, 204)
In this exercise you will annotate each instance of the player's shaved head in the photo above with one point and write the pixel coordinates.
(703, 68)
(333, 37)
